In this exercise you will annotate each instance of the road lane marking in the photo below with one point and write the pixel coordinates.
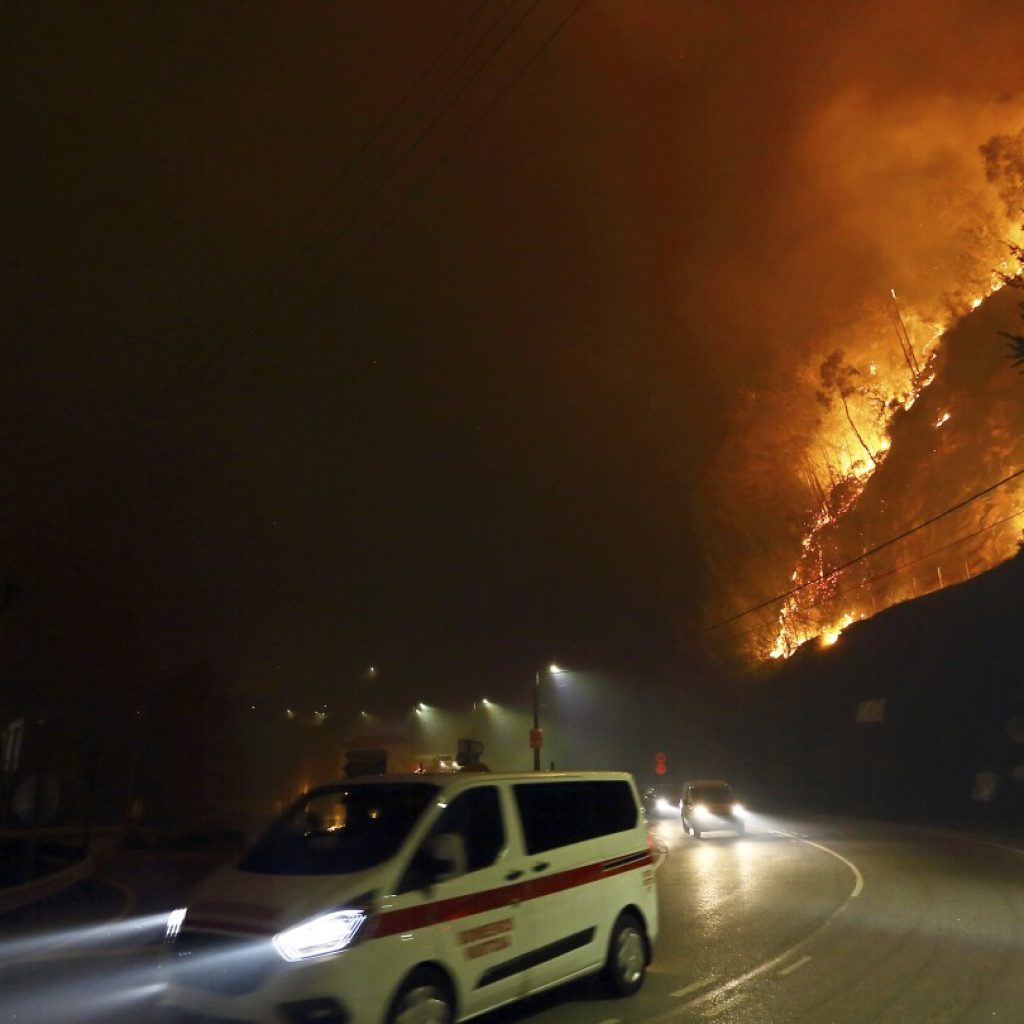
(774, 963)
(611, 1020)
(858, 878)
(795, 966)
(662, 847)
(729, 1004)
(703, 983)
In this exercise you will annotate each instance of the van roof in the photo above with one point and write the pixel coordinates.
(707, 782)
(451, 778)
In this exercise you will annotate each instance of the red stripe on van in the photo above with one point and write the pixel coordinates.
(413, 918)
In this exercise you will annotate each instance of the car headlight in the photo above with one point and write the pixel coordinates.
(175, 919)
(700, 810)
(663, 806)
(739, 810)
(321, 936)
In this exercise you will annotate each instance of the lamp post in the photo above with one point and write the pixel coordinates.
(536, 736)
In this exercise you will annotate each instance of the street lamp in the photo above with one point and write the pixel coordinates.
(536, 736)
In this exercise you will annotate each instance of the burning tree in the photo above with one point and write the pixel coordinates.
(837, 381)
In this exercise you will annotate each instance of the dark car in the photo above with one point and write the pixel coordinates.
(660, 802)
(708, 805)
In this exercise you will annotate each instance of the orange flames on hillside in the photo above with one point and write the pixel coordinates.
(849, 570)
(858, 412)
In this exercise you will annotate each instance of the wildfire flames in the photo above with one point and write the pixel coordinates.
(894, 416)
(828, 601)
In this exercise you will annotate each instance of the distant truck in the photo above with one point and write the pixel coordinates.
(365, 762)
(393, 755)
(380, 755)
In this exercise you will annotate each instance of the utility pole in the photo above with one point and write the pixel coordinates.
(12, 734)
(536, 736)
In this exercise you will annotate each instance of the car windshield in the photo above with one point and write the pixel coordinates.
(713, 794)
(336, 830)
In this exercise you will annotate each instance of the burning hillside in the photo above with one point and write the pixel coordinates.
(906, 412)
(958, 433)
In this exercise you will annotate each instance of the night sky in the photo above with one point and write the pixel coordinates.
(379, 333)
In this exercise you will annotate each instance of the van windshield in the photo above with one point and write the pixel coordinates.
(340, 829)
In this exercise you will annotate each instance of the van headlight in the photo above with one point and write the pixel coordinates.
(739, 810)
(175, 919)
(330, 933)
(663, 806)
(700, 810)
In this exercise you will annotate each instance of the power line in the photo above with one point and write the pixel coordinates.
(864, 584)
(336, 182)
(928, 554)
(102, 370)
(141, 454)
(867, 554)
(332, 239)
(417, 189)
(225, 347)
(307, 219)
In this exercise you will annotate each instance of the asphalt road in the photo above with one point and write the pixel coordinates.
(809, 922)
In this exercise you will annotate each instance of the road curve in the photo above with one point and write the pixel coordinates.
(825, 922)
(798, 922)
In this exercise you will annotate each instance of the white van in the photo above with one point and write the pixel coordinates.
(426, 898)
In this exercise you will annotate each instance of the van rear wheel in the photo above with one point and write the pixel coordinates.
(626, 966)
(424, 998)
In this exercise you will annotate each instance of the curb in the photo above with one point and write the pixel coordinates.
(18, 896)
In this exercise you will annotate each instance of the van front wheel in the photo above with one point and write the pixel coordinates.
(626, 965)
(425, 998)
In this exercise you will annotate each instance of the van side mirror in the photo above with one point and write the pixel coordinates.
(438, 859)
(447, 856)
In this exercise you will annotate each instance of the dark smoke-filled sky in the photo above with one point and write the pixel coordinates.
(451, 337)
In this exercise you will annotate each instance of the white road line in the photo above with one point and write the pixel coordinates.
(729, 1004)
(858, 878)
(662, 849)
(795, 966)
(703, 983)
(775, 962)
